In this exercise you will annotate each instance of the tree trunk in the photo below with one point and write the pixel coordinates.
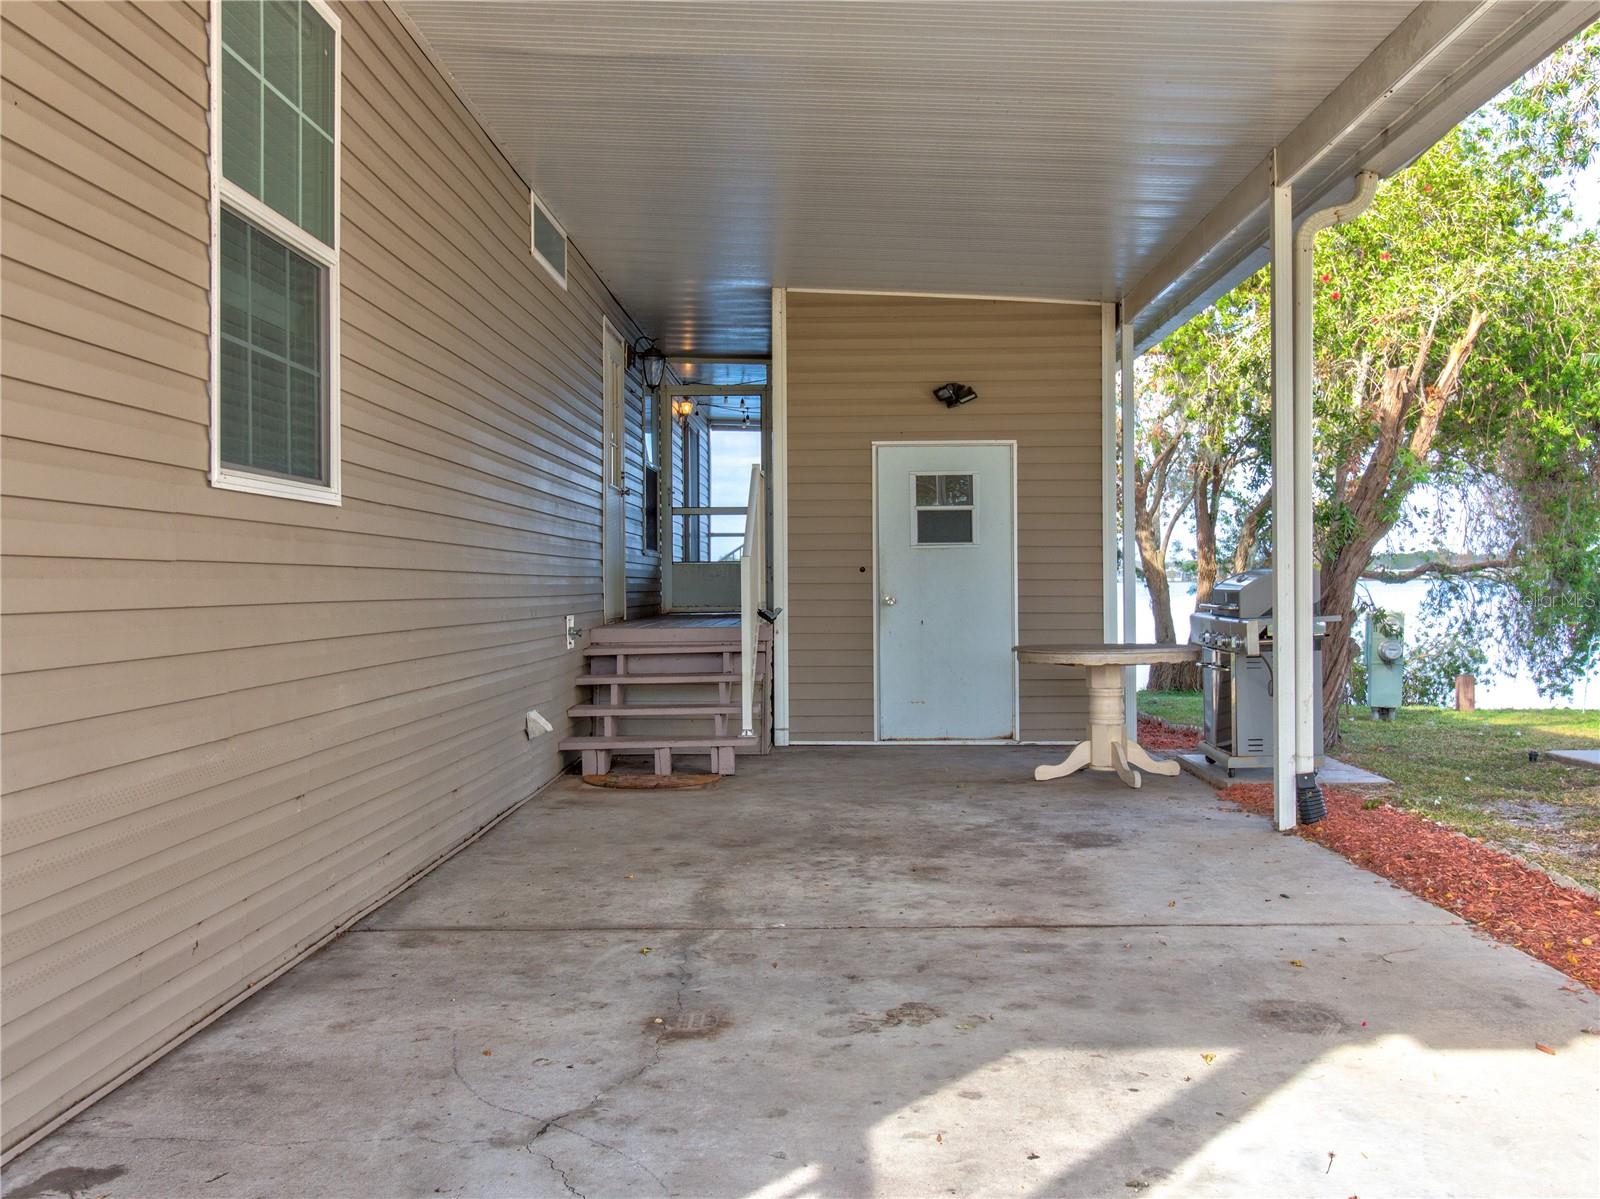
(1208, 482)
(1244, 551)
(1375, 497)
(1164, 676)
(1150, 536)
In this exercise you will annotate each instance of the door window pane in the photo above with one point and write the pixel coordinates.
(955, 489)
(944, 526)
(944, 507)
(944, 491)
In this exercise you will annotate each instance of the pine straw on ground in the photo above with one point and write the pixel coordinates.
(1507, 899)
(1157, 734)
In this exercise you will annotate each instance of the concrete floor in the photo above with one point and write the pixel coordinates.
(875, 972)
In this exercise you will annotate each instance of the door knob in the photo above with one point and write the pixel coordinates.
(888, 601)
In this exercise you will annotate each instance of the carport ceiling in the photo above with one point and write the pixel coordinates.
(700, 153)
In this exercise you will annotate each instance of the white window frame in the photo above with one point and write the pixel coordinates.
(534, 205)
(916, 508)
(224, 192)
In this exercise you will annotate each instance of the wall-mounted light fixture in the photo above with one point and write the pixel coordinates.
(651, 362)
(952, 395)
(682, 408)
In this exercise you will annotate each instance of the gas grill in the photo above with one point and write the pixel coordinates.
(1237, 664)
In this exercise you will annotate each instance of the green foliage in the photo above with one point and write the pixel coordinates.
(1481, 222)
(1432, 662)
(1213, 374)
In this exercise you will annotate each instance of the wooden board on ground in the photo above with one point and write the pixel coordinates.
(649, 782)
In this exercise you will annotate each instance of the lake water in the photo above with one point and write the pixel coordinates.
(1504, 691)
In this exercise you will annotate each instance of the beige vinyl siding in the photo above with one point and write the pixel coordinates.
(863, 369)
(231, 721)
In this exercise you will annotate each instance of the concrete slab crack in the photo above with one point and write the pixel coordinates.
(546, 1123)
(562, 1175)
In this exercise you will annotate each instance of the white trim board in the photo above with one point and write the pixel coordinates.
(936, 295)
(1108, 472)
(776, 411)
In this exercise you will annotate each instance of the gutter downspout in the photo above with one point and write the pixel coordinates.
(1309, 799)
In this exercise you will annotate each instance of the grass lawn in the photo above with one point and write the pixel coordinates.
(1470, 771)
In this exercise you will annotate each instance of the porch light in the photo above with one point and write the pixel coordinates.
(650, 360)
(952, 395)
(682, 408)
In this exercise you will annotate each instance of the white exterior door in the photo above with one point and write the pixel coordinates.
(946, 591)
(613, 546)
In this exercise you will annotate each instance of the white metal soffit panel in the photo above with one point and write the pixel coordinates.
(700, 153)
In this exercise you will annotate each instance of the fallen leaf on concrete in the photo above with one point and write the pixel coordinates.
(488, 1053)
(627, 876)
(646, 949)
(1172, 903)
(938, 1138)
(1208, 1058)
(1136, 1184)
(1543, 1048)
(1033, 1157)
(1593, 1032)
(1297, 962)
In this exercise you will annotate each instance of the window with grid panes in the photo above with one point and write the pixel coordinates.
(277, 238)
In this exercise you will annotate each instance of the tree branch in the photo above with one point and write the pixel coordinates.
(1440, 567)
(1172, 522)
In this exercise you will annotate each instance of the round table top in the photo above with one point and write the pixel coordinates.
(1088, 654)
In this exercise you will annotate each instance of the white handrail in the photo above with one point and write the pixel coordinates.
(752, 582)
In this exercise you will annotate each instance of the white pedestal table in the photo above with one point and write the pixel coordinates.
(1108, 747)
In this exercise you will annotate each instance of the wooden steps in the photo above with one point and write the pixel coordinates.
(630, 649)
(699, 659)
(617, 710)
(645, 680)
(597, 751)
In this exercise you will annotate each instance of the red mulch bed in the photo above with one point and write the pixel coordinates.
(1155, 733)
(1508, 900)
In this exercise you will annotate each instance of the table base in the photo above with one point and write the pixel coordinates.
(1108, 746)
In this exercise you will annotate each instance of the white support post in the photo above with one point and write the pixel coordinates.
(778, 399)
(1108, 473)
(1285, 486)
(1305, 756)
(1306, 747)
(1130, 549)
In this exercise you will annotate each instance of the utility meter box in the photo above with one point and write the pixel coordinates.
(1385, 655)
